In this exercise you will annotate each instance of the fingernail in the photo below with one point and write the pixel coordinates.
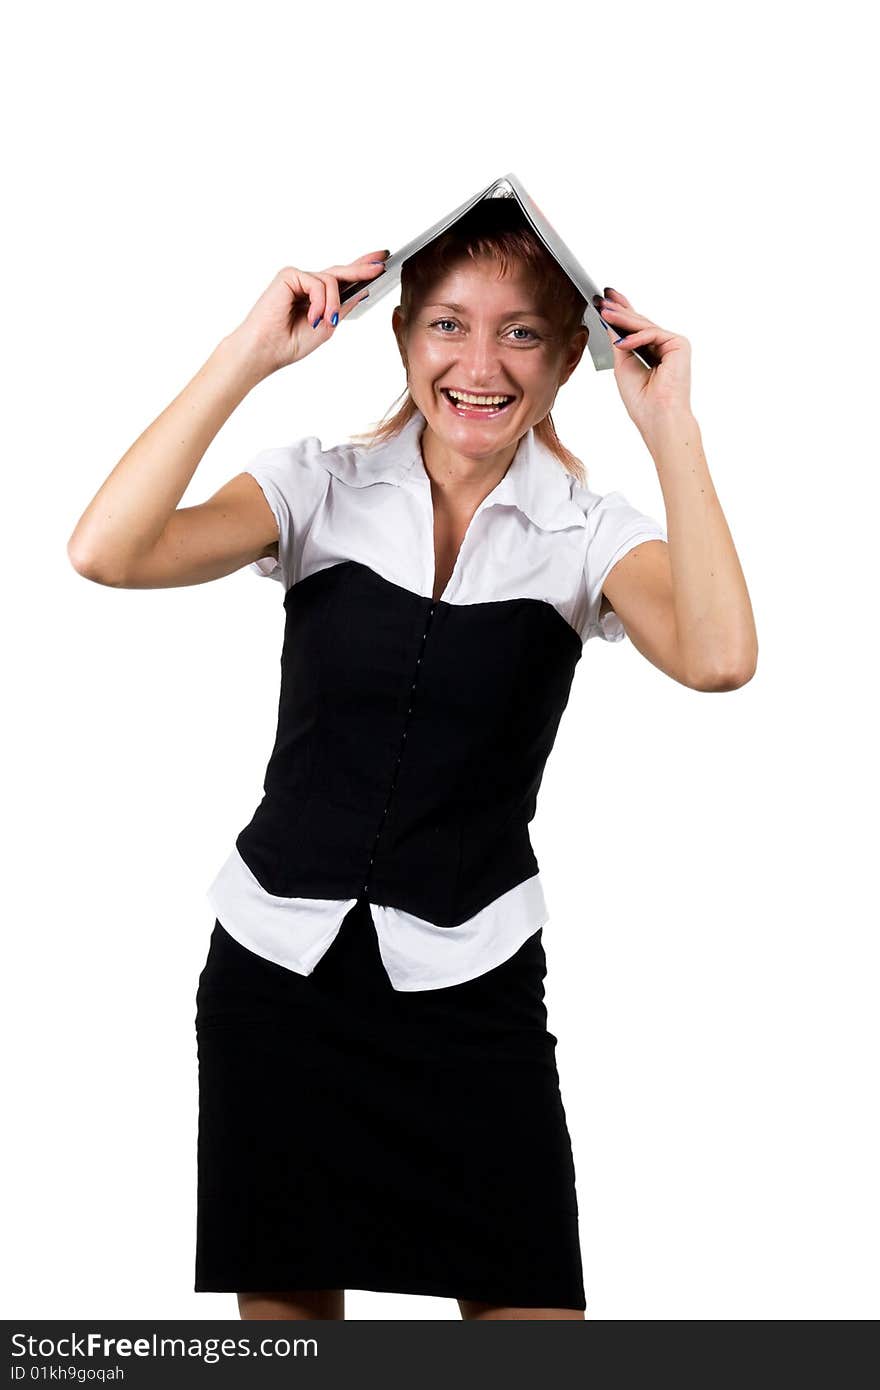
(621, 338)
(335, 320)
(317, 321)
(609, 289)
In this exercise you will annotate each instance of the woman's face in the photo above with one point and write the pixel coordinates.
(484, 335)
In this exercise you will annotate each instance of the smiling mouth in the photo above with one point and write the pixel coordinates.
(474, 406)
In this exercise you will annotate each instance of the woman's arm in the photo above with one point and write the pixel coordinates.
(133, 535)
(685, 605)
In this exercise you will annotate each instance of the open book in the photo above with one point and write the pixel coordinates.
(598, 345)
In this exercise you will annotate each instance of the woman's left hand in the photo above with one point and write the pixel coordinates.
(649, 393)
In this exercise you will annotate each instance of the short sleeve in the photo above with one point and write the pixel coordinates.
(614, 527)
(294, 483)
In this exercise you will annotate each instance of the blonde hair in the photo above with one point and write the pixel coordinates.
(494, 229)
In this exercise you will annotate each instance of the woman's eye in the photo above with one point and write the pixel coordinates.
(518, 329)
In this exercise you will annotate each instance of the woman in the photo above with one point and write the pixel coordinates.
(379, 1104)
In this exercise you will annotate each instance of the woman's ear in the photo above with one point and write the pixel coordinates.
(574, 353)
(399, 332)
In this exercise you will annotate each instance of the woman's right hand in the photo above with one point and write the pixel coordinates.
(278, 329)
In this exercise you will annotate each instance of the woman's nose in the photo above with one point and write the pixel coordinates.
(480, 356)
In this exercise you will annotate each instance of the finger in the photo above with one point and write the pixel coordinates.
(614, 301)
(302, 282)
(616, 296)
(380, 255)
(316, 290)
(633, 339)
(621, 314)
(367, 266)
(640, 337)
(331, 299)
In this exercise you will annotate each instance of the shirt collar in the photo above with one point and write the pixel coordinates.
(535, 482)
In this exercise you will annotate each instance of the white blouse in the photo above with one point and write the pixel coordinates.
(538, 534)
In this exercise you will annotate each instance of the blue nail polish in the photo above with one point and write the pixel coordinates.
(317, 321)
(335, 320)
(621, 338)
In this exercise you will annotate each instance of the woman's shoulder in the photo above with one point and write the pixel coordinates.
(287, 460)
(611, 512)
(350, 463)
(588, 499)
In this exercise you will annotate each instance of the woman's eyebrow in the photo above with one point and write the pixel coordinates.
(510, 314)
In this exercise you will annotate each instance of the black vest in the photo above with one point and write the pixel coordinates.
(412, 739)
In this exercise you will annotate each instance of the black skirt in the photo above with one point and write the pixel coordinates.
(355, 1136)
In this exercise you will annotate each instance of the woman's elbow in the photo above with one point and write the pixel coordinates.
(725, 675)
(90, 565)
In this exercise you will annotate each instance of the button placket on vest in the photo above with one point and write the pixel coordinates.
(402, 743)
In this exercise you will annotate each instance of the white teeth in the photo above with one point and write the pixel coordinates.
(468, 399)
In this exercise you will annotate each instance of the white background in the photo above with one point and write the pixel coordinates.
(708, 858)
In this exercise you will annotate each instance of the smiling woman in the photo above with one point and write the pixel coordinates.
(440, 583)
(376, 961)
